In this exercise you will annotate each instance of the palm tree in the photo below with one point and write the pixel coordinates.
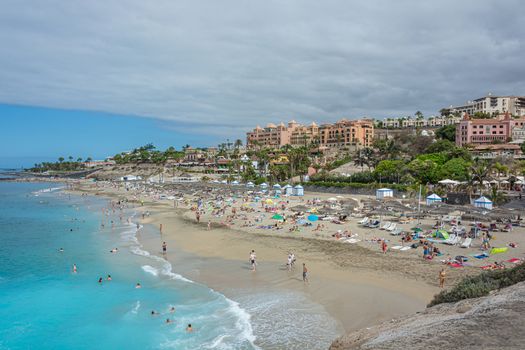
(238, 144)
(61, 159)
(79, 159)
(480, 172)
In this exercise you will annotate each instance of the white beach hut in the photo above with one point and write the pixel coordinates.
(235, 182)
(250, 184)
(298, 190)
(483, 202)
(264, 185)
(433, 198)
(384, 193)
(288, 190)
(276, 187)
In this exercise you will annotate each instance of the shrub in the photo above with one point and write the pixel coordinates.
(481, 285)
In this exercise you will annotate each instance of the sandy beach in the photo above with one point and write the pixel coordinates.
(351, 286)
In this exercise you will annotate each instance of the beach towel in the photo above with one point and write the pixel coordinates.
(514, 260)
(498, 250)
(481, 256)
(456, 265)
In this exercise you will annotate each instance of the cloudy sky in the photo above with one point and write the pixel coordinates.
(219, 67)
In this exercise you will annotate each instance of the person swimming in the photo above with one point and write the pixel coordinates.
(168, 321)
(172, 309)
(138, 285)
(114, 250)
(153, 313)
(100, 280)
(109, 278)
(61, 250)
(74, 268)
(189, 329)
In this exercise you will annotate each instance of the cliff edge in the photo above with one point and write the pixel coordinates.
(496, 321)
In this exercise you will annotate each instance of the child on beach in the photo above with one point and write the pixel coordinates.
(384, 246)
(442, 275)
(305, 273)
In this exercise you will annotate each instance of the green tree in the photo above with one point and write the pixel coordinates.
(389, 170)
(424, 171)
(447, 132)
(61, 159)
(455, 169)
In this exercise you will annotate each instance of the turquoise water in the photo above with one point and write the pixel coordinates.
(44, 305)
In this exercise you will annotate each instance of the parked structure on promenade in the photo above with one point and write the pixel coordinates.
(515, 105)
(340, 134)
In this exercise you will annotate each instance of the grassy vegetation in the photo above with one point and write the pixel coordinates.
(481, 285)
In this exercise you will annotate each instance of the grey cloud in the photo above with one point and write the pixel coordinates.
(233, 64)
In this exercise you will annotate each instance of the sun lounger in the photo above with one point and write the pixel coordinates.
(374, 224)
(386, 225)
(452, 240)
(466, 243)
(364, 221)
(392, 227)
(396, 232)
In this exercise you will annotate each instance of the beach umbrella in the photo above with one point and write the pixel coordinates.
(313, 218)
(301, 221)
(448, 182)
(269, 201)
(278, 217)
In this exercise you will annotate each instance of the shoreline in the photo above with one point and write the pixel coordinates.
(338, 289)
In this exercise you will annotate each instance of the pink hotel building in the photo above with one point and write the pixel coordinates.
(486, 131)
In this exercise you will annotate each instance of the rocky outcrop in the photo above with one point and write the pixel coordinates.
(494, 322)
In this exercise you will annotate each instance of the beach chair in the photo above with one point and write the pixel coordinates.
(451, 240)
(466, 243)
(374, 224)
(396, 232)
(364, 221)
(386, 225)
(392, 227)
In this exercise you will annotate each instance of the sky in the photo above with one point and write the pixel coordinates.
(203, 71)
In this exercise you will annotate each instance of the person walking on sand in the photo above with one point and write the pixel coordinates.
(305, 274)
(209, 225)
(384, 247)
(160, 228)
(253, 260)
(442, 275)
(164, 248)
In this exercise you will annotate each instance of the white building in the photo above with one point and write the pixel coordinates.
(515, 105)
(411, 122)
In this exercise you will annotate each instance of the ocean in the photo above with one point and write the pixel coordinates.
(44, 305)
